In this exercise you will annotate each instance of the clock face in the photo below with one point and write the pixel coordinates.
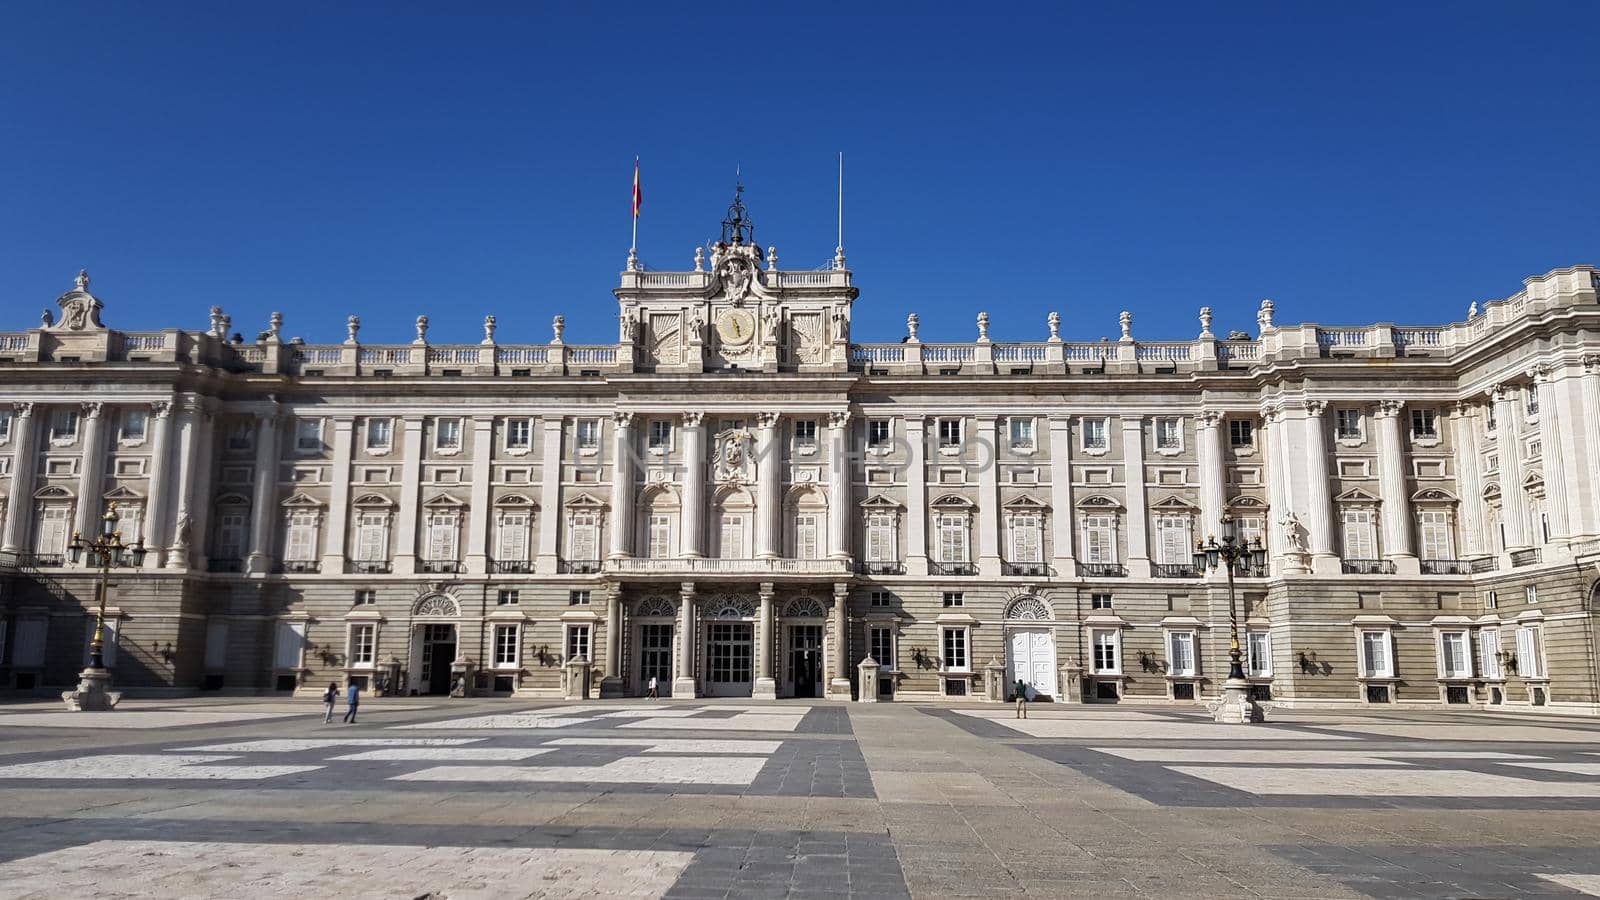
(736, 326)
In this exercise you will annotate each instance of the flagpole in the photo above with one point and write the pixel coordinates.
(838, 252)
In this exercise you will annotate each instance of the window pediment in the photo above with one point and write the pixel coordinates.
(233, 500)
(53, 492)
(952, 501)
(302, 500)
(515, 500)
(443, 499)
(371, 500)
(1357, 497)
(1025, 503)
(1249, 503)
(880, 503)
(1100, 502)
(1434, 496)
(122, 493)
(585, 501)
(1174, 503)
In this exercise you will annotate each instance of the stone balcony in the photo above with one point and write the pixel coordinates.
(690, 568)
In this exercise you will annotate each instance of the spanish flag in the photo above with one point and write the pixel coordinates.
(638, 196)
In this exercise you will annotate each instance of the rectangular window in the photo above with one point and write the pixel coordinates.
(589, 434)
(1095, 434)
(64, 425)
(134, 424)
(879, 433)
(300, 543)
(442, 531)
(1182, 644)
(879, 599)
(1259, 646)
(5, 426)
(129, 521)
(1531, 594)
(1021, 433)
(954, 599)
(880, 644)
(952, 539)
(805, 536)
(1491, 600)
(519, 434)
(1099, 601)
(660, 544)
(1488, 419)
(366, 597)
(955, 649)
(1099, 539)
(54, 527)
(508, 598)
(880, 538)
(308, 435)
(1169, 434)
(372, 538)
(1173, 544)
(1376, 661)
(380, 434)
(1530, 399)
(731, 545)
(505, 646)
(1436, 537)
(1454, 660)
(363, 645)
(241, 436)
(1251, 529)
(660, 434)
(1360, 538)
(1107, 644)
(513, 544)
(805, 434)
(583, 538)
(447, 434)
(1347, 424)
(577, 642)
(577, 598)
(1026, 539)
(1424, 424)
(1489, 653)
(230, 535)
(1241, 433)
(1530, 655)
(949, 433)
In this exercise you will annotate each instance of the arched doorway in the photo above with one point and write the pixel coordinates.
(804, 621)
(434, 640)
(1031, 646)
(730, 646)
(654, 621)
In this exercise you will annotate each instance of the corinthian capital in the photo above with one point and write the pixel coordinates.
(693, 419)
(838, 419)
(767, 419)
(622, 419)
(1209, 418)
(1388, 408)
(92, 409)
(1316, 407)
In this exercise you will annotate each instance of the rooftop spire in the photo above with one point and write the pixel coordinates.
(737, 228)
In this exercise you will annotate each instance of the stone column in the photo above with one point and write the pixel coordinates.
(683, 680)
(989, 500)
(550, 496)
(405, 526)
(1513, 516)
(1213, 478)
(264, 506)
(191, 418)
(1319, 499)
(477, 555)
(916, 496)
(1062, 519)
(769, 503)
(766, 687)
(1589, 413)
(157, 488)
(622, 486)
(839, 472)
(693, 526)
(24, 463)
(839, 687)
(611, 679)
(204, 491)
(1397, 544)
(1555, 469)
(1580, 501)
(337, 536)
(1278, 503)
(1472, 526)
(91, 473)
(1133, 486)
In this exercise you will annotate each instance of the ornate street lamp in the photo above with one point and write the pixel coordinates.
(105, 552)
(1233, 555)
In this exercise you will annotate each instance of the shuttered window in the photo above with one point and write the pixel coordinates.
(300, 543)
(1100, 539)
(513, 537)
(1025, 539)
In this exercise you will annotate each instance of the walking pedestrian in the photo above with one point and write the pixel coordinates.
(1022, 699)
(352, 700)
(654, 692)
(329, 697)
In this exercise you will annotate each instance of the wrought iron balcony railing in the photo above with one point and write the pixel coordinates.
(511, 566)
(298, 567)
(369, 566)
(1447, 567)
(1367, 567)
(578, 566)
(439, 566)
(1102, 570)
(881, 567)
(1025, 569)
(955, 569)
(215, 564)
(1178, 570)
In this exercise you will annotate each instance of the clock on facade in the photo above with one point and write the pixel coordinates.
(736, 326)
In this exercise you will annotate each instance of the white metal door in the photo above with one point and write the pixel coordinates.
(1032, 658)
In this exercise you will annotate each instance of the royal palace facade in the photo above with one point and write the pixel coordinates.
(737, 499)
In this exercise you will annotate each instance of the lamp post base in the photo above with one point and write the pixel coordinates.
(91, 694)
(1236, 706)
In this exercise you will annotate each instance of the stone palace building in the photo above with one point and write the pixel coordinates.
(739, 499)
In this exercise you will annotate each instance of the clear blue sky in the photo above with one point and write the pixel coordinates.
(1354, 162)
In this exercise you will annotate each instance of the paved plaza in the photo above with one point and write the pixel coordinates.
(468, 798)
